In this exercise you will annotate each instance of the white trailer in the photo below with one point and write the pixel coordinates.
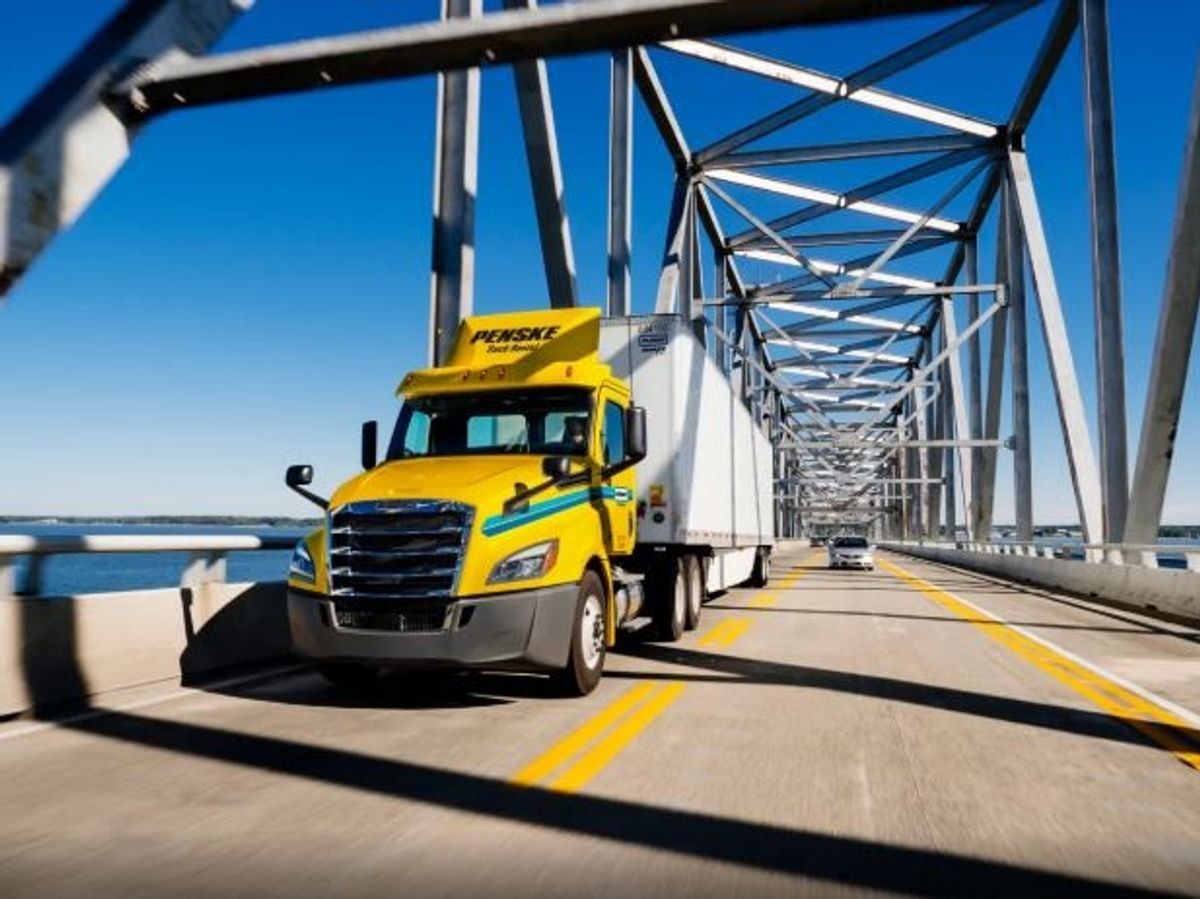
(705, 486)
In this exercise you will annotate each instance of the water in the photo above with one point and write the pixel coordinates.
(103, 572)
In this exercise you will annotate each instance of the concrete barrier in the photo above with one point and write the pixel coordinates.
(56, 650)
(1172, 592)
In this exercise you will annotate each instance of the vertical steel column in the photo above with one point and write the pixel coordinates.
(950, 496)
(981, 521)
(1172, 348)
(1106, 268)
(620, 180)
(974, 368)
(673, 271)
(1019, 358)
(936, 459)
(456, 170)
(958, 401)
(545, 174)
(1085, 476)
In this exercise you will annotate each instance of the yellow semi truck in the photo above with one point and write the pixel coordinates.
(504, 527)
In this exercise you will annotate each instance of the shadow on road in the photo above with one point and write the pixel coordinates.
(825, 857)
(735, 669)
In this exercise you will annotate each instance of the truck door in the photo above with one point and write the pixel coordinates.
(616, 500)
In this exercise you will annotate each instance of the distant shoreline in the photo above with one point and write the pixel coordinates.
(272, 521)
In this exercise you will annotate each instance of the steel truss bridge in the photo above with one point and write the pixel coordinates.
(883, 389)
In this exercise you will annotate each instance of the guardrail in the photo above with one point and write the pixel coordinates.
(1126, 574)
(1145, 555)
(205, 565)
(68, 648)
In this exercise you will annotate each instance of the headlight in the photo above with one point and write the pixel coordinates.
(302, 567)
(531, 562)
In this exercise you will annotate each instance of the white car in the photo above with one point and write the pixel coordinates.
(851, 552)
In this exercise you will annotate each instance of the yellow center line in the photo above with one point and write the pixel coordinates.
(612, 728)
(574, 742)
(578, 775)
(1161, 725)
(725, 632)
(763, 601)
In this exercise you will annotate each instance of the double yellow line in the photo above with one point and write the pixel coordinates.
(599, 739)
(571, 763)
(1159, 724)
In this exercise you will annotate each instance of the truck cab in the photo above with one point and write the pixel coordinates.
(492, 530)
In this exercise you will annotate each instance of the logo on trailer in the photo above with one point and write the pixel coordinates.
(652, 339)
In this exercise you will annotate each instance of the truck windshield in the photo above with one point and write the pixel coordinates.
(547, 422)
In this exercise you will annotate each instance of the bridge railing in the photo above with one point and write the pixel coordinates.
(206, 559)
(1146, 555)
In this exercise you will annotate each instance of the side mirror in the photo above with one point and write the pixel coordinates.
(556, 467)
(635, 433)
(298, 477)
(370, 445)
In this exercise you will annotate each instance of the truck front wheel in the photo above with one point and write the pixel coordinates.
(586, 661)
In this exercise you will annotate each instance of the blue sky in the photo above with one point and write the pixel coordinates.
(254, 282)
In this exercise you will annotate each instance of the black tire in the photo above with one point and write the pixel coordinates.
(697, 591)
(348, 675)
(669, 602)
(762, 565)
(585, 664)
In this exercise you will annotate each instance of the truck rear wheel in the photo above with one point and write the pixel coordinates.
(585, 664)
(694, 567)
(670, 601)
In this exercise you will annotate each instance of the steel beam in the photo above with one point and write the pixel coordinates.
(958, 396)
(906, 57)
(1106, 270)
(1019, 358)
(1085, 476)
(620, 180)
(65, 144)
(659, 107)
(502, 37)
(863, 192)
(974, 369)
(1172, 348)
(456, 171)
(980, 523)
(545, 174)
(862, 149)
(673, 250)
(1050, 53)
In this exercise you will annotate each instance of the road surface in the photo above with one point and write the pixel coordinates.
(913, 730)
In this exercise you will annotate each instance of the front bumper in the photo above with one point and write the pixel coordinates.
(524, 630)
(852, 562)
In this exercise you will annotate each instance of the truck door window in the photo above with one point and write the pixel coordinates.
(613, 435)
(416, 438)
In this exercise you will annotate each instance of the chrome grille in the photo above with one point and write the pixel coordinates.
(395, 554)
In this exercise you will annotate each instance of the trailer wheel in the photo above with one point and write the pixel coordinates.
(348, 675)
(694, 567)
(670, 602)
(586, 661)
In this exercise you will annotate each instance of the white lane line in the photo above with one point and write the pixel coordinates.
(1191, 717)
